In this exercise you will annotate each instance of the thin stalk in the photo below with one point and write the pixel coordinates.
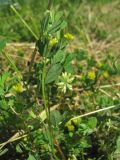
(83, 158)
(59, 149)
(15, 69)
(13, 65)
(110, 85)
(43, 89)
(51, 141)
(23, 21)
(31, 31)
(31, 63)
(97, 111)
(12, 139)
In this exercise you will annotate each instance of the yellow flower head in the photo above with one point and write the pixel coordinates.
(18, 88)
(105, 74)
(91, 75)
(68, 123)
(76, 121)
(71, 128)
(68, 36)
(53, 41)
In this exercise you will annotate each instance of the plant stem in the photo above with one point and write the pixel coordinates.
(15, 69)
(23, 21)
(13, 138)
(31, 63)
(59, 149)
(110, 85)
(43, 90)
(97, 111)
(51, 141)
(13, 65)
(31, 31)
(83, 158)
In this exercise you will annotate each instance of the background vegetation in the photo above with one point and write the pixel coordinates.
(88, 80)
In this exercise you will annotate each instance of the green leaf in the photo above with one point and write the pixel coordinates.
(69, 58)
(57, 26)
(63, 25)
(55, 117)
(71, 134)
(92, 122)
(84, 143)
(3, 104)
(58, 15)
(31, 157)
(81, 55)
(2, 45)
(53, 73)
(45, 22)
(3, 79)
(18, 149)
(2, 91)
(67, 65)
(118, 143)
(58, 57)
(84, 128)
(69, 68)
(31, 113)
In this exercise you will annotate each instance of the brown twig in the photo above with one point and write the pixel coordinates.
(31, 63)
(15, 137)
(96, 111)
(59, 149)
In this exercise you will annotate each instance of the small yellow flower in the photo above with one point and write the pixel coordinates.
(18, 88)
(68, 36)
(91, 75)
(76, 121)
(53, 41)
(71, 128)
(68, 123)
(105, 74)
